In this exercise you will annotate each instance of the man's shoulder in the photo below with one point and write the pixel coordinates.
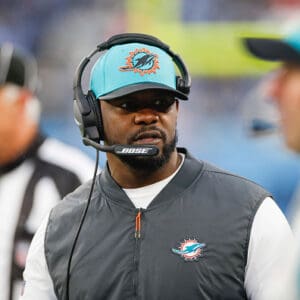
(74, 203)
(215, 175)
(236, 181)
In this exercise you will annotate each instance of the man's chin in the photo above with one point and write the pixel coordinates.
(151, 163)
(144, 163)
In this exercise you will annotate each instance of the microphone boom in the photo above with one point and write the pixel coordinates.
(124, 150)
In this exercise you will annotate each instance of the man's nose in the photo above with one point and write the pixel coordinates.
(146, 116)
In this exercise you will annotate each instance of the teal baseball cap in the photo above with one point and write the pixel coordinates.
(128, 68)
(284, 49)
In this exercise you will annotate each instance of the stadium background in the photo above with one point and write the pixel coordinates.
(226, 82)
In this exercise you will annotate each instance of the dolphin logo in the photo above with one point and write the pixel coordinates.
(141, 61)
(189, 249)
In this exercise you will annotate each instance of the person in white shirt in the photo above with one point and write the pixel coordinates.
(284, 89)
(36, 171)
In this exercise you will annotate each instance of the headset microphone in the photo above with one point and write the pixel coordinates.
(124, 150)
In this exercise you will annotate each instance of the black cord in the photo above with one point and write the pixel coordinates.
(80, 225)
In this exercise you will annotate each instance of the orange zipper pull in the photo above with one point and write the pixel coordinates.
(137, 234)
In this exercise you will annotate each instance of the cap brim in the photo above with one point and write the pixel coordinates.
(142, 87)
(271, 49)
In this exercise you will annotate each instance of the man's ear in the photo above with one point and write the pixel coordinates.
(24, 96)
(28, 105)
(16, 95)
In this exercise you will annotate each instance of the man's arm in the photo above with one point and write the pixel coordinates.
(37, 280)
(270, 251)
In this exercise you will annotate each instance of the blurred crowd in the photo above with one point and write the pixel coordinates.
(60, 33)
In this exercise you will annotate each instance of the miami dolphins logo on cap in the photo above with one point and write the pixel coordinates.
(190, 249)
(141, 61)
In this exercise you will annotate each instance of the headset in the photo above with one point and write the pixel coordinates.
(87, 111)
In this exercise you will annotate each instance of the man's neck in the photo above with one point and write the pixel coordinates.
(128, 177)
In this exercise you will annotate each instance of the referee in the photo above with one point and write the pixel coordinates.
(35, 170)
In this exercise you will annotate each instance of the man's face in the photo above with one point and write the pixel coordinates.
(142, 118)
(10, 112)
(285, 90)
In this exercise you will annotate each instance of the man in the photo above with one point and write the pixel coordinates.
(284, 88)
(158, 227)
(35, 171)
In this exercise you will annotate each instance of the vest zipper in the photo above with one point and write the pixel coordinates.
(137, 236)
(137, 233)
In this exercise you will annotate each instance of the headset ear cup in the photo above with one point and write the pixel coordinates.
(181, 85)
(89, 120)
(78, 117)
(95, 108)
(100, 126)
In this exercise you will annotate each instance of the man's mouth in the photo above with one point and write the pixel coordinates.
(148, 137)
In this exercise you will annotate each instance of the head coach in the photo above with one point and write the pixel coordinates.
(156, 223)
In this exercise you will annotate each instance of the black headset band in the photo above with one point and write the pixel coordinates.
(126, 38)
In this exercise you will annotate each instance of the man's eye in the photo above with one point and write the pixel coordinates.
(129, 106)
(160, 105)
(163, 105)
(124, 105)
(157, 102)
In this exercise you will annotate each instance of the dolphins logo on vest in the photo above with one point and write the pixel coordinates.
(189, 249)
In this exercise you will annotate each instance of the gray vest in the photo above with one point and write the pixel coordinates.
(192, 243)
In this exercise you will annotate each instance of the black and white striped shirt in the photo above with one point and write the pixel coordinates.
(29, 188)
